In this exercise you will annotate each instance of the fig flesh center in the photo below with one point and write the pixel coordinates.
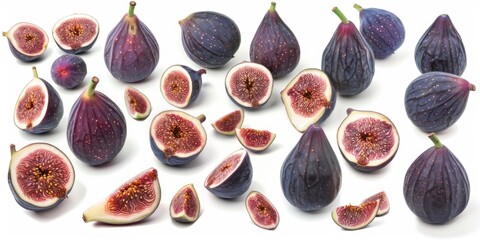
(250, 85)
(186, 203)
(308, 95)
(75, 32)
(30, 106)
(264, 212)
(176, 87)
(28, 39)
(224, 170)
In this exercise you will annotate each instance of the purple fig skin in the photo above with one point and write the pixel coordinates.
(34, 36)
(68, 71)
(195, 79)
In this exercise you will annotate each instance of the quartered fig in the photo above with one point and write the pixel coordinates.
(68, 71)
(40, 176)
(185, 205)
(96, 130)
(436, 100)
(76, 33)
(441, 48)
(131, 51)
(138, 105)
(39, 107)
(348, 60)
(180, 85)
(254, 139)
(436, 186)
(384, 204)
(308, 98)
(27, 41)
(134, 201)
(274, 45)
(177, 138)
(210, 39)
(353, 217)
(261, 211)
(229, 122)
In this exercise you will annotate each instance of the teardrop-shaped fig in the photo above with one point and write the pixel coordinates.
(138, 105)
(384, 204)
(229, 122)
(27, 41)
(274, 45)
(180, 85)
(352, 217)
(68, 71)
(262, 212)
(131, 51)
(185, 205)
(134, 201)
(39, 107)
(96, 130)
(76, 33)
(254, 139)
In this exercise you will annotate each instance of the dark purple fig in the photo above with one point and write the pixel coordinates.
(210, 39)
(134, 201)
(27, 41)
(138, 105)
(274, 45)
(441, 48)
(309, 98)
(185, 205)
(249, 84)
(368, 140)
(40, 176)
(39, 107)
(232, 177)
(436, 186)
(68, 71)
(384, 205)
(310, 175)
(229, 122)
(180, 85)
(76, 33)
(348, 60)
(261, 211)
(436, 100)
(351, 217)
(131, 51)
(177, 138)
(382, 29)
(96, 130)
(255, 140)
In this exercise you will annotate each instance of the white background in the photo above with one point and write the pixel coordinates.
(313, 23)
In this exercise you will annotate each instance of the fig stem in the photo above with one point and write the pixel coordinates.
(202, 71)
(349, 110)
(472, 87)
(12, 149)
(131, 8)
(91, 87)
(272, 7)
(358, 7)
(201, 118)
(435, 140)
(35, 73)
(340, 15)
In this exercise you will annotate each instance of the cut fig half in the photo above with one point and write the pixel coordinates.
(27, 41)
(254, 139)
(137, 103)
(352, 217)
(180, 85)
(262, 212)
(76, 33)
(227, 124)
(185, 205)
(383, 200)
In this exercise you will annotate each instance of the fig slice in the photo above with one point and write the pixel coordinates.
(133, 201)
(383, 201)
(229, 122)
(185, 205)
(180, 85)
(76, 33)
(68, 71)
(354, 217)
(27, 41)
(262, 212)
(138, 105)
(254, 139)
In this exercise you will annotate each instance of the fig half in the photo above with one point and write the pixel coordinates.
(229, 122)
(351, 217)
(254, 139)
(138, 105)
(76, 33)
(180, 85)
(27, 41)
(185, 205)
(262, 212)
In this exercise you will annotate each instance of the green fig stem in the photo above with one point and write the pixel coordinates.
(272, 7)
(91, 87)
(201, 118)
(340, 15)
(435, 140)
(358, 7)
(35, 73)
(5, 34)
(132, 7)
(12, 149)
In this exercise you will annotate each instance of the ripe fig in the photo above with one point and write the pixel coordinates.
(255, 140)
(232, 177)
(249, 84)
(210, 39)
(177, 138)
(436, 100)
(96, 130)
(131, 51)
(138, 105)
(134, 201)
(27, 41)
(348, 60)
(76, 33)
(384, 205)
(274, 45)
(185, 205)
(229, 122)
(180, 85)
(68, 71)
(39, 107)
(441, 48)
(368, 140)
(309, 98)
(351, 217)
(261, 211)
(310, 175)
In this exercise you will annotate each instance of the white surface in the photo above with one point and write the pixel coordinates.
(313, 22)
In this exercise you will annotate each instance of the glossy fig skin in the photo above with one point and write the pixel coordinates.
(68, 71)
(34, 36)
(441, 48)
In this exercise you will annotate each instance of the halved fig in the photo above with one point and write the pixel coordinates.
(254, 139)
(180, 85)
(261, 211)
(68, 71)
(76, 33)
(40, 176)
(185, 205)
(351, 217)
(249, 84)
(133, 201)
(137, 103)
(27, 41)
(383, 200)
(176, 137)
(309, 98)
(229, 122)
(232, 177)
(368, 140)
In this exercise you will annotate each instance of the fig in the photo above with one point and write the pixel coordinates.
(180, 85)
(138, 105)
(185, 205)
(232, 176)
(27, 41)
(229, 122)
(210, 39)
(348, 60)
(131, 51)
(352, 217)
(40, 176)
(96, 130)
(254, 139)
(382, 29)
(441, 48)
(384, 205)
(134, 201)
(274, 45)
(261, 211)
(68, 71)
(436, 186)
(308, 98)
(434, 101)
(177, 138)
(39, 107)
(76, 33)
(310, 175)
(368, 140)
(249, 84)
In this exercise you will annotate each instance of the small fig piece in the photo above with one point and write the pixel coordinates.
(68, 71)
(76, 33)
(351, 217)
(261, 211)
(185, 205)
(138, 105)
(229, 122)
(383, 200)
(180, 85)
(253, 139)
(27, 41)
